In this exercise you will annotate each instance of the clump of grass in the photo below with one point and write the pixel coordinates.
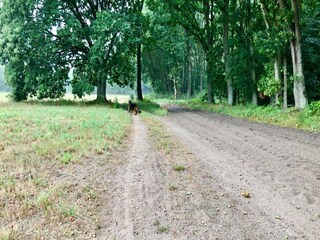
(68, 211)
(8, 184)
(66, 158)
(91, 194)
(45, 199)
(173, 187)
(162, 229)
(38, 182)
(7, 234)
(179, 168)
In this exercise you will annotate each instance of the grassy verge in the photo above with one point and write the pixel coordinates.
(308, 119)
(40, 147)
(148, 106)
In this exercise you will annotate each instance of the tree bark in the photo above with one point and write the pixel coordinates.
(175, 88)
(277, 76)
(209, 78)
(139, 73)
(208, 12)
(285, 83)
(138, 9)
(101, 90)
(188, 67)
(299, 88)
(253, 76)
(226, 51)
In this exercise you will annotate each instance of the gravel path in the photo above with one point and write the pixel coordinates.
(223, 157)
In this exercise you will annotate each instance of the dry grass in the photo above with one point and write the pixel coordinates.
(42, 194)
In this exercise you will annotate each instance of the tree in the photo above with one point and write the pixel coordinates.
(198, 18)
(294, 27)
(41, 40)
(138, 8)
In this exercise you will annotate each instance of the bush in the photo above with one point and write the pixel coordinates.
(314, 108)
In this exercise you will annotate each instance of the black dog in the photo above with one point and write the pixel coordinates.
(132, 107)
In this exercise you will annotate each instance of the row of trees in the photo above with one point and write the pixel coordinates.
(243, 47)
(42, 40)
(236, 50)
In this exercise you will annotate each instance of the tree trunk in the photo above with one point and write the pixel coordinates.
(253, 76)
(226, 51)
(277, 76)
(209, 78)
(202, 67)
(208, 12)
(139, 8)
(101, 90)
(139, 73)
(188, 65)
(175, 88)
(299, 88)
(285, 83)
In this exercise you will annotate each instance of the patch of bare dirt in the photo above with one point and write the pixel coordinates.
(184, 178)
(280, 167)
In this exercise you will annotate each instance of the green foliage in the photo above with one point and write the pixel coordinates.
(151, 107)
(41, 42)
(311, 48)
(314, 108)
(116, 103)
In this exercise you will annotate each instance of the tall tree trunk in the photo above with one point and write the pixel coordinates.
(139, 8)
(299, 88)
(226, 51)
(202, 67)
(277, 76)
(188, 59)
(285, 83)
(210, 78)
(208, 12)
(175, 88)
(139, 73)
(253, 76)
(101, 90)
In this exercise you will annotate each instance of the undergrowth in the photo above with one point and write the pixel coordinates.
(148, 106)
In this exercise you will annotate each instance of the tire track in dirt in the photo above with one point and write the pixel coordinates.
(136, 198)
(146, 199)
(279, 166)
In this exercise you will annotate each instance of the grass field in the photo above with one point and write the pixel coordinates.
(41, 145)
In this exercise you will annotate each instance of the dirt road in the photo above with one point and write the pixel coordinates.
(222, 157)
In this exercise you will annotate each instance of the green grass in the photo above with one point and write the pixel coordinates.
(41, 146)
(179, 168)
(149, 106)
(308, 119)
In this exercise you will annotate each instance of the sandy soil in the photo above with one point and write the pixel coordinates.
(146, 198)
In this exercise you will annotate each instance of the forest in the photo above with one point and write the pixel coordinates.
(255, 52)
